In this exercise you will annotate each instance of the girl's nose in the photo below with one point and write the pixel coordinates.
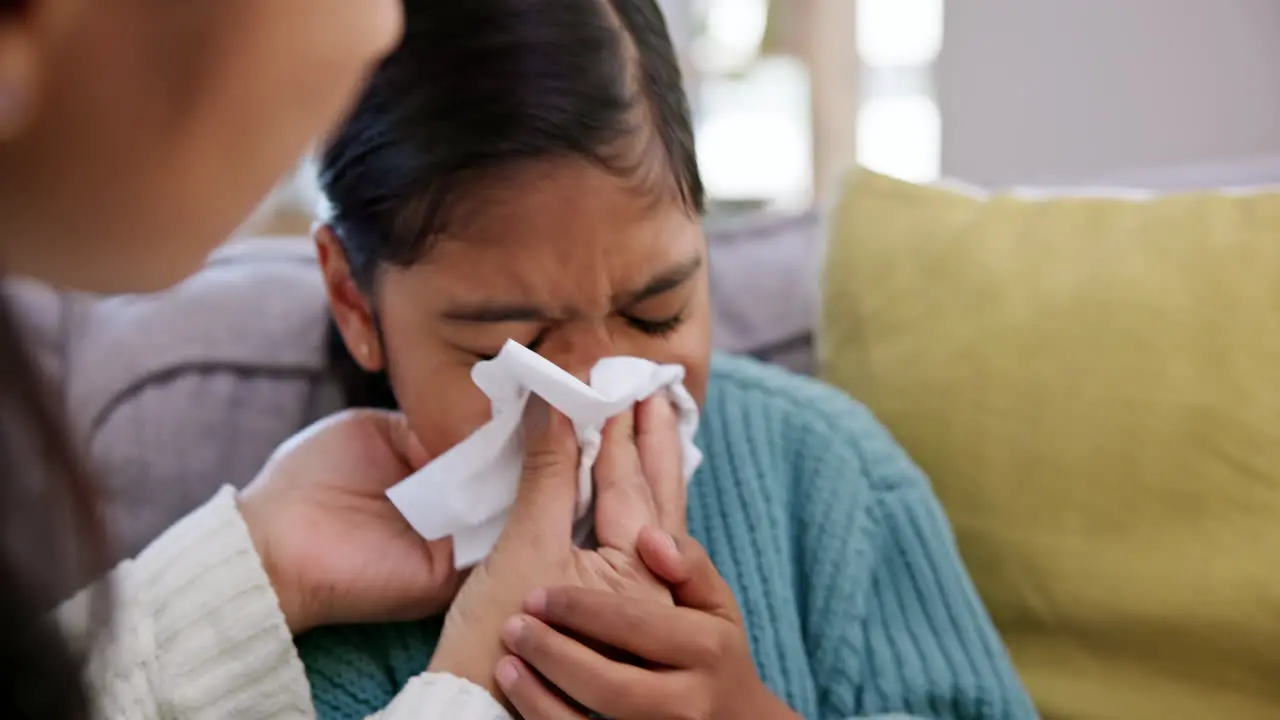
(578, 347)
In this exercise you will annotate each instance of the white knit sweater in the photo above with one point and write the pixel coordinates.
(198, 633)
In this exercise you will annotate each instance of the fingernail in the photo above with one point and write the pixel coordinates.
(537, 415)
(653, 413)
(511, 631)
(668, 544)
(507, 672)
(536, 603)
(665, 405)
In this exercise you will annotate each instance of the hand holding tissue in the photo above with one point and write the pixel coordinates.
(467, 491)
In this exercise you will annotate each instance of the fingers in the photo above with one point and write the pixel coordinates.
(662, 459)
(605, 686)
(527, 693)
(661, 634)
(683, 564)
(661, 555)
(624, 502)
(548, 491)
(404, 442)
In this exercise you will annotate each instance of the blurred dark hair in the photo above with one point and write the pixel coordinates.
(479, 86)
(52, 537)
(52, 540)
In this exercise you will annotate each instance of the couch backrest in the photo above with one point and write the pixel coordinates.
(176, 394)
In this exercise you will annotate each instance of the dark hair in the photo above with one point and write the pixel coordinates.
(478, 86)
(52, 537)
(52, 540)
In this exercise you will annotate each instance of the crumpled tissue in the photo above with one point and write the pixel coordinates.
(468, 490)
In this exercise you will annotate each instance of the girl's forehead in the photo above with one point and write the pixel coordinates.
(573, 213)
(606, 255)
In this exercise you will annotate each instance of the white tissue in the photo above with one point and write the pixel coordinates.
(467, 491)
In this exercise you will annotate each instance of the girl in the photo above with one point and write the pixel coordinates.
(526, 170)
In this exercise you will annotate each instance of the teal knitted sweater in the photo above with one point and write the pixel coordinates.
(855, 600)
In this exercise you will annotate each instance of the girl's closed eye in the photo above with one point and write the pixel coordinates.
(661, 327)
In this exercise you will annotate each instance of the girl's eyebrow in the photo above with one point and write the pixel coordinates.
(665, 281)
(496, 313)
(499, 312)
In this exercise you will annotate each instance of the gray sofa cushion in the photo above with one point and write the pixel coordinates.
(176, 394)
(764, 288)
(45, 318)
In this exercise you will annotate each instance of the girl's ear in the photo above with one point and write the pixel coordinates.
(352, 309)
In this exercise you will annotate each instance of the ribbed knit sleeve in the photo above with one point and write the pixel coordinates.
(197, 632)
(897, 627)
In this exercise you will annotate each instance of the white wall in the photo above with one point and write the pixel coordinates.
(679, 15)
(1075, 90)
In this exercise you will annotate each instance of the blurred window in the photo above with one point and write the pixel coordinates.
(899, 129)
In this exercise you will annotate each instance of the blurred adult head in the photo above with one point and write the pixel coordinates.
(135, 135)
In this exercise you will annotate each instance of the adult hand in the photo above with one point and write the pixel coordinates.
(337, 551)
(639, 481)
(697, 661)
